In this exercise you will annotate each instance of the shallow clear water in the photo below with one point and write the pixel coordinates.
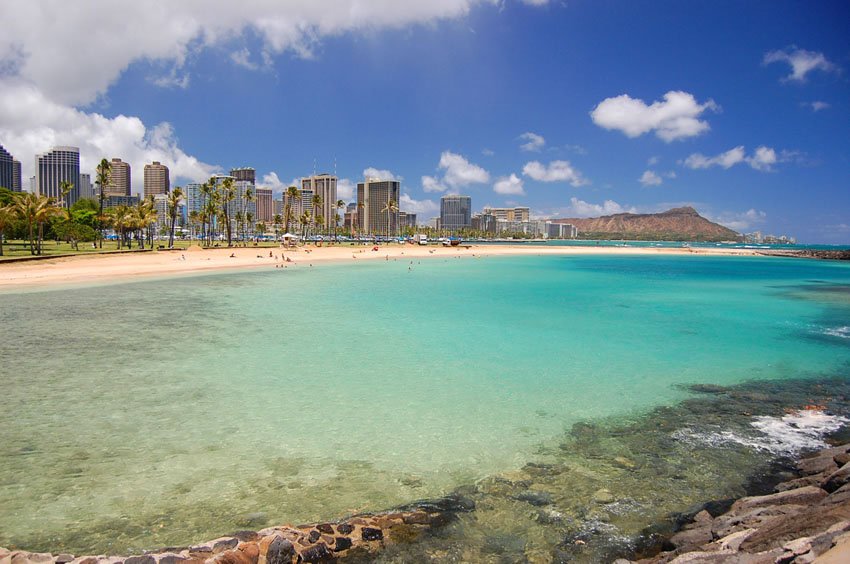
(150, 413)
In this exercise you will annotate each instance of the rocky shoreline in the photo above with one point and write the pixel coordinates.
(843, 254)
(807, 519)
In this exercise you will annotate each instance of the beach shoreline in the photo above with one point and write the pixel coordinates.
(128, 266)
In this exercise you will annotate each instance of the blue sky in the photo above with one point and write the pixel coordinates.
(741, 109)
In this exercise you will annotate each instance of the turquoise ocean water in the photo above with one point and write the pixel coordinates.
(159, 412)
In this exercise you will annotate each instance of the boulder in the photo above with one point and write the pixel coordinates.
(817, 465)
(837, 478)
(800, 496)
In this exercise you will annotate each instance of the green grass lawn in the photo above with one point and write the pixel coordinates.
(19, 249)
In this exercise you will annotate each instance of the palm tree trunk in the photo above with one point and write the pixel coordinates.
(40, 235)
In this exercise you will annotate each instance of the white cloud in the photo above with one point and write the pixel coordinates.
(272, 181)
(802, 62)
(533, 142)
(431, 184)
(670, 174)
(509, 185)
(535, 2)
(30, 124)
(345, 189)
(725, 160)
(242, 58)
(380, 174)
(762, 159)
(818, 105)
(650, 178)
(677, 117)
(652, 161)
(739, 221)
(556, 171)
(488, 152)
(459, 172)
(423, 208)
(580, 208)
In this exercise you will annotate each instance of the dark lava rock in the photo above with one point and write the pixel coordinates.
(147, 559)
(342, 543)
(63, 558)
(326, 528)
(314, 536)
(244, 536)
(280, 551)
(317, 553)
(538, 499)
(837, 478)
(371, 534)
(171, 559)
(344, 528)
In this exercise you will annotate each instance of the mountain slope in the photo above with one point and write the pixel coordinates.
(679, 224)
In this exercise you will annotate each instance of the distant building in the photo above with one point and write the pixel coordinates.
(324, 186)
(86, 188)
(278, 207)
(16, 176)
(7, 169)
(561, 230)
(455, 212)
(156, 179)
(192, 197)
(373, 196)
(115, 201)
(509, 214)
(119, 179)
(60, 164)
(265, 205)
(160, 204)
(349, 220)
(245, 174)
(485, 222)
(406, 220)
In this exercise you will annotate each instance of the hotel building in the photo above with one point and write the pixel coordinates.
(323, 185)
(86, 188)
(455, 212)
(60, 164)
(16, 175)
(372, 198)
(244, 174)
(156, 179)
(265, 205)
(119, 179)
(7, 169)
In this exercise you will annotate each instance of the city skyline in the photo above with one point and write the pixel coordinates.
(570, 110)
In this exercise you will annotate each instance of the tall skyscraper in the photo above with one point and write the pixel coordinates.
(373, 195)
(86, 188)
(119, 179)
(265, 205)
(16, 176)
(323, 185)
(509, 214)
(156, 179)
(60, 164)
(455, 212)
(7, 169)
(245, 174)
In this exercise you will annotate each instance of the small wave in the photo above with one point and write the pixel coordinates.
(786, 435)
(840, 332)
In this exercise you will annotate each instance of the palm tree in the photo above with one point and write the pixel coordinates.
(145, 217)
(206, 191)
(45, 209)
(228, 194)
(173, 207)
(339, 205)
(317, 202)
(391, 208)
(247, 218)
(35, 210)
(65, 188)
(102, 179)
(360, 207)
(289, 213)
(305, 222)
(7, 216)
(121, 217)
(320, 222)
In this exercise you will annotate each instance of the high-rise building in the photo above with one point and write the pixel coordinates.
(406, 219)
(265, 205)
(160, 204)
(455, 212)
(509, 214)
(324, 186)
(373, 197)
(245, 174)
(86, 188)
(278, 207)
(60, 164)
(192, 196)
(119, 179)
(7, 169)
(16, 176)
(156, 179)
(349, 222)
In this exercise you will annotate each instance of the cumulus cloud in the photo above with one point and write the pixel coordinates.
(650, 178)
(345, 189)
(459, 172)
(423, 208)
(763, 159)
(818, 105)
(580, 208)
(677, 117)
(509, 185)
(431, 184)
(242, 58)
(30, 124)
(739, 221)
(533, 142)
(535, 2)
(380, 174)
(556, 171)
(802, 62)
(488, 152)
(272, 181)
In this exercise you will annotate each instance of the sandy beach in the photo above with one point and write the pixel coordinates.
(115, 267)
